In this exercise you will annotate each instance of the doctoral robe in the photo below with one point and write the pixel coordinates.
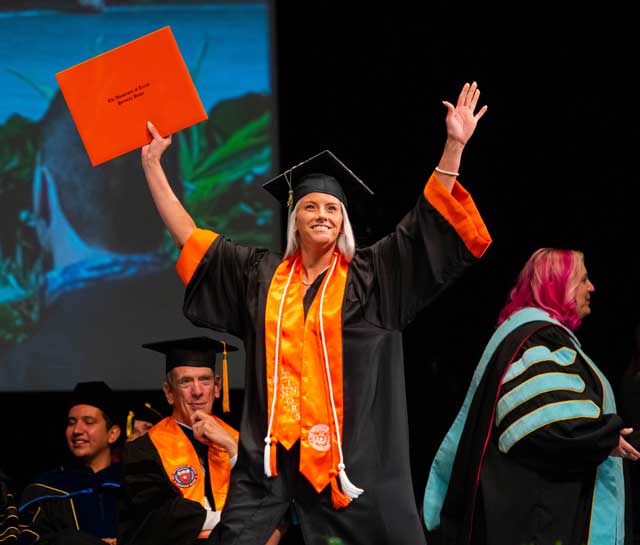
(73, 505)
(526, 461)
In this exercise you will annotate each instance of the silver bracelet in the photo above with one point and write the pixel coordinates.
(438, 169)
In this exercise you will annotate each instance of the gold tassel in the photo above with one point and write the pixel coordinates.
(287, 178)
(129, 428)
(225, 380)
(153, 410)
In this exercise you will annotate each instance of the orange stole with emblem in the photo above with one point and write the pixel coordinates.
(301, 360)
(183, 467)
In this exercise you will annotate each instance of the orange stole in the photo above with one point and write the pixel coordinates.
(183, 467)
(301, 356)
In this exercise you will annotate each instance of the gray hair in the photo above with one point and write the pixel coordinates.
(346, 241)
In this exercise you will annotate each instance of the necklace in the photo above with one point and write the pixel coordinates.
(307, 284)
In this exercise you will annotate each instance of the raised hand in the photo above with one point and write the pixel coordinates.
(461, 120)
(155, 149)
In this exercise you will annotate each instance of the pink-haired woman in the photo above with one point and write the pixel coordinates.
(535, 454)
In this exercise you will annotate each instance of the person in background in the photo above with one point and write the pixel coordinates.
(324, 446)
(12, 532)
(176, 476)
(630, 410)
(141, 419)
(76, 504)
(535, 453)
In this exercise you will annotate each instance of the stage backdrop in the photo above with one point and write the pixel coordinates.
(86, 267)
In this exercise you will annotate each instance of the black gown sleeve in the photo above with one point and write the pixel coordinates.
(70, 536)
(550, 409)
(49, 519)
(151, 511)
(217, 296)
(408, 268)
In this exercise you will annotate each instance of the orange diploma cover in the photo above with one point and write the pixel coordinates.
(112, 96)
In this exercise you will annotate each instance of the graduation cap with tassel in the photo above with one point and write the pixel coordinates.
(196, 352)
(323, 173)
(145, 412)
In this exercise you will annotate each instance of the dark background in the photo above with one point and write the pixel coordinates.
(552, 163)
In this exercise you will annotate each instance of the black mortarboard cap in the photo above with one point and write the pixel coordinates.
(145, 411)
(192, 351)
(97, 394)
(196, 352)
(322, 173)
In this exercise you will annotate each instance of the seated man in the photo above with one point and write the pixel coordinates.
(141, 418)
(11, 531)
(77, 503)
(176, 476)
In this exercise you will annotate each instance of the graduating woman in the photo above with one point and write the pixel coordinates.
(324, 440)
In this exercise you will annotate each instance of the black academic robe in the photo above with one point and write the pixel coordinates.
(388, 283)
(630, 411)
(73, 505)
(12, 531)
(152, 511)
(532, 463)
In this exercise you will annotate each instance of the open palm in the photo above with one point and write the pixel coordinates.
(461, 120)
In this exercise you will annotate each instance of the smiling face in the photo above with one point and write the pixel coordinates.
(318, 220)
(88, 437)
(191, 389)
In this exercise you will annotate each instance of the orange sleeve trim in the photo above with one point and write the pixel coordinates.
(460, 211)
(192, 253)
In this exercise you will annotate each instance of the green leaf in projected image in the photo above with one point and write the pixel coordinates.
(220, 160)
(18, 139)
(20, 253)
(20, 301)
(242, 145)
(11, 327)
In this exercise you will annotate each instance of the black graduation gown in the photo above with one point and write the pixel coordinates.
(73, 505)
(541, 491)
(151, 510)
(12, 532)
(388, 283)
(630, 412)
